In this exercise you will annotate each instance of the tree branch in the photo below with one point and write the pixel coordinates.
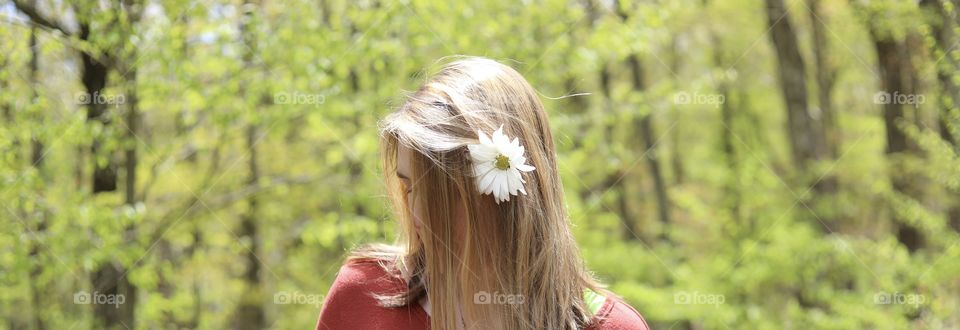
(196, 206)
(31, 11)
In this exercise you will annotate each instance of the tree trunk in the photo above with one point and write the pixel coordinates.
(250, 312)
(197, 291)
(94, 81)
(806, 136)
(806, 132)
(133, 124)
(109, 278)
(896, 74)
(36, 159)
(827, 185)
(614, 181)
(645, 126)
(676, 156)
(826, 77)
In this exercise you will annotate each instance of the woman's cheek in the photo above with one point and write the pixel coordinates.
(415, 212)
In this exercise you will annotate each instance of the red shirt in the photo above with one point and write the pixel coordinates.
(349, 304)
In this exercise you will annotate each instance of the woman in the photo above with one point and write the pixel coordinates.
(485, 241)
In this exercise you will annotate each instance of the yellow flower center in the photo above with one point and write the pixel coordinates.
(502, 162)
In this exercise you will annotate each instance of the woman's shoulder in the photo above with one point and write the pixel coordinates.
(368, 274)
(352, 299)
(372, 267)
(616, 314)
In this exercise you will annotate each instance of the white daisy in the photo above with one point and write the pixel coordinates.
(497, 163)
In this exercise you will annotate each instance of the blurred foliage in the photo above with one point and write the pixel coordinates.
(315, 76)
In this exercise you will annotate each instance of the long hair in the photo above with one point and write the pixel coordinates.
(512, 265)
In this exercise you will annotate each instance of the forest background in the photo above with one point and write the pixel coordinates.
(757, 164)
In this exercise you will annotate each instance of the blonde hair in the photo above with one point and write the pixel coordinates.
(523, 247)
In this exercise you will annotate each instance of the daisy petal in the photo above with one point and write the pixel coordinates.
(515, 183)
(506, 188)
(484, 139)
(481, 153)
(499, 139)
(486, 183)
(503, 191)
(519, 152)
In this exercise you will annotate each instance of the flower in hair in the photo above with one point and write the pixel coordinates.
(497, 165)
